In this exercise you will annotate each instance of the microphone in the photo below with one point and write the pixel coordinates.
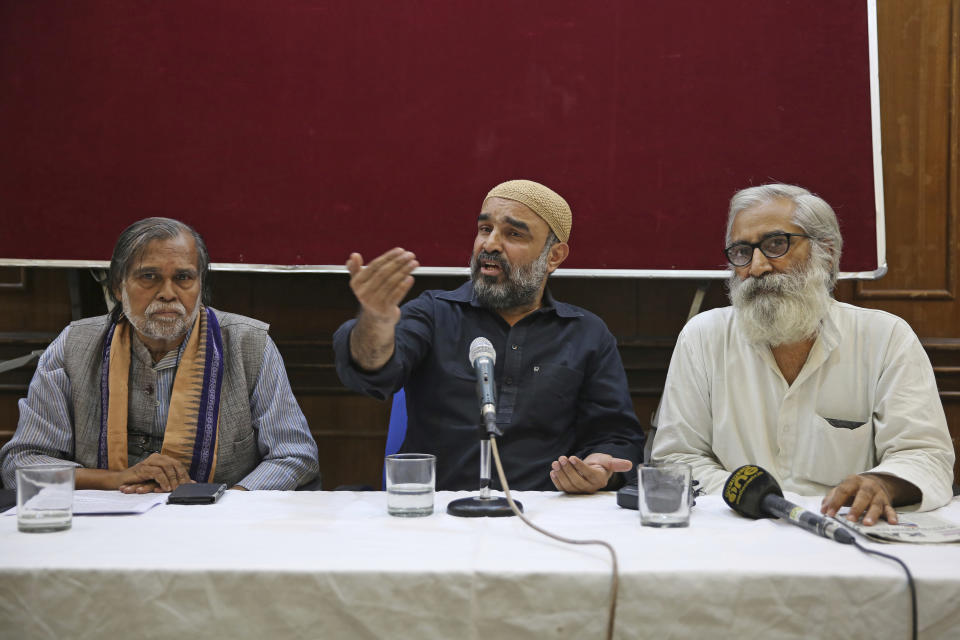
(752, 492)
(482, 358)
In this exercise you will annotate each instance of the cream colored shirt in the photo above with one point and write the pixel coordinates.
(865, 400)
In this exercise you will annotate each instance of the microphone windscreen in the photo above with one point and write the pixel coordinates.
(481, 347)
(746, 488)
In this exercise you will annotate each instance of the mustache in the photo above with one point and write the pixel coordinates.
(159, 307)
(496, 258)
(776, 283)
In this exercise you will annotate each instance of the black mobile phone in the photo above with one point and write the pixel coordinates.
(197, 493)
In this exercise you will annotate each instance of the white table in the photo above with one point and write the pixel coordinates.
(282, 565)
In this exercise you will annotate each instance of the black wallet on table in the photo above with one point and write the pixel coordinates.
(197, 493)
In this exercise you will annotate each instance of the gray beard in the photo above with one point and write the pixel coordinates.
(781, 308)
(520, 286)
(159, 329)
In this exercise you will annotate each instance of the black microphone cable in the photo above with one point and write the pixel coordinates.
(910, 582)
(614, 578)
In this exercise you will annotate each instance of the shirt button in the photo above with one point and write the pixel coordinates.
(509, 380)
(515, 347)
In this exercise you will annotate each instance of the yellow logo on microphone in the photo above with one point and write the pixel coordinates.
(739, 482)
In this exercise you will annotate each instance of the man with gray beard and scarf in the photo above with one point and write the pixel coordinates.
(562, 399)
(164, 390)
(833, 400)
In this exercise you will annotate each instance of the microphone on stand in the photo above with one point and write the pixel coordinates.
(752, 492)
(482, 358)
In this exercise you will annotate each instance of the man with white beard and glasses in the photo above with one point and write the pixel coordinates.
(830, 398)
(164, 390)
(562, 398)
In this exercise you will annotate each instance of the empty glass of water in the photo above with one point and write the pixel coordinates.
(664, 495)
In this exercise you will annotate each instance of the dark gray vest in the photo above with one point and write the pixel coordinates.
(244, 340)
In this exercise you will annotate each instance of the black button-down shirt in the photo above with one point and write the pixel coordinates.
(561, 388)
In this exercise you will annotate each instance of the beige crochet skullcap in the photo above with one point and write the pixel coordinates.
(544, 202)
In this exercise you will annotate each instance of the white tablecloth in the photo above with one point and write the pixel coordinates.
(335, 565)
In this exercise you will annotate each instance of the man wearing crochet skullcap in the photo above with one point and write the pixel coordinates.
(562, 399)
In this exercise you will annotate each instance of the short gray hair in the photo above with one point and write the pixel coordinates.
(133, 242)
(551, 240)
(810, 212)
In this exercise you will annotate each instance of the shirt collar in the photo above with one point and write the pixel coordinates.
(465, 294)
(170, 359)
(829, 329)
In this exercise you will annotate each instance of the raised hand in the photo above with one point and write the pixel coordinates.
(380, 288)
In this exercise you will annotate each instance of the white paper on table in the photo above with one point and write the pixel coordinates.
(110, 503)
(920, 528)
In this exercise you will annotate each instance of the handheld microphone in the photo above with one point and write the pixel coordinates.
(482, 358)
(752, 492)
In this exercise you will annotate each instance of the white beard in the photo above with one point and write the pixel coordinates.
(159, 329)
(782, 308)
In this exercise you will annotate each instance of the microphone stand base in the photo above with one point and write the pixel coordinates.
(477, 507)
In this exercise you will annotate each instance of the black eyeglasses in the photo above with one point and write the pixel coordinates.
(774, 245)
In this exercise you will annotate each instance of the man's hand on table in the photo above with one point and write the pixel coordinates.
(157, 474)
(573, 475)
(870, 495)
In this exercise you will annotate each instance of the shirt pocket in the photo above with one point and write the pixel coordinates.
(832, 449)
(245, 449)
(555, 392)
